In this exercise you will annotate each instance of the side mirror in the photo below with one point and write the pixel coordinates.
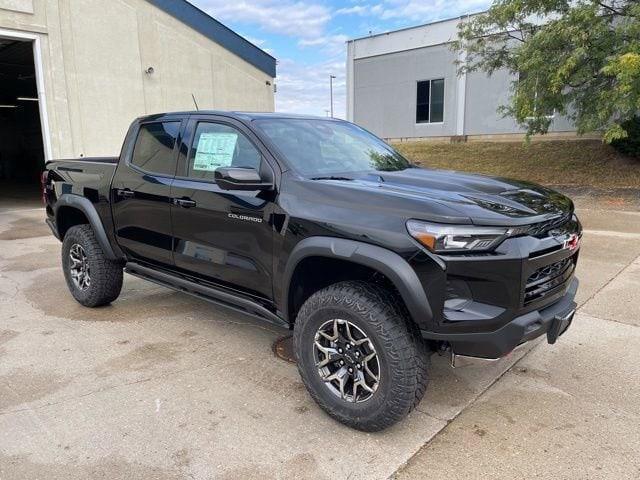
(230, 178)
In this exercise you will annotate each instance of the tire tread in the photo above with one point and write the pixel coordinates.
(408, 354)
(106, 275)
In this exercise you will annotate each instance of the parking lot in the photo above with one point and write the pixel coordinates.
(161, 385)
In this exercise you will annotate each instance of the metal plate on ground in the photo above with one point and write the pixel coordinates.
(283, 348)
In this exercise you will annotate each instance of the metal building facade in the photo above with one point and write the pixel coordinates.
(382, 76)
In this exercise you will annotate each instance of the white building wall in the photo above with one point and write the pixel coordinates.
(382, 75)
(94, 57)
(385, 89)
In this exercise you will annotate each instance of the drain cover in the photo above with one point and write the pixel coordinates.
(283, 348)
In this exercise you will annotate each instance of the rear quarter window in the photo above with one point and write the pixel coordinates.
(154, 150)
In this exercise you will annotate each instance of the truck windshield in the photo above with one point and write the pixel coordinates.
(328, 148)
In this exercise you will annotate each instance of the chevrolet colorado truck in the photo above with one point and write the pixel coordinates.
(317, 225)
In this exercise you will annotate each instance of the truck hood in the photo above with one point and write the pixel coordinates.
(451, 196)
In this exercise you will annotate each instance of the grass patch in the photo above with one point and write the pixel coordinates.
(583, 163)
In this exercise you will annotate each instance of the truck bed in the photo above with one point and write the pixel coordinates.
(87, 159)
(90, 176)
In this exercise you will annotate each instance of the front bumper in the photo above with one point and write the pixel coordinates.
(552, 320)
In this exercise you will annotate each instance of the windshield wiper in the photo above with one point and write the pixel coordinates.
(331, 177)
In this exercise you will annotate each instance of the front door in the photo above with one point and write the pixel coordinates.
(222, 236)
(141, 193)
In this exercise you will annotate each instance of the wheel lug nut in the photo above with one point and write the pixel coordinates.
(339, 350)
(341, 362)
(348, 346)
(350, 370)
(357, 354)
(359, 366)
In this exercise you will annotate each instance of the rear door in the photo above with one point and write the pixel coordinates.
(222, 236)
(141, 192)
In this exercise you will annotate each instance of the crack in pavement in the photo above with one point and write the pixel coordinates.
(612, 233)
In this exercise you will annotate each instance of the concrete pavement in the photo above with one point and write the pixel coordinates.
(567, 412)
(161, 385)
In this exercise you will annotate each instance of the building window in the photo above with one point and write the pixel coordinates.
(430, 101)
(549, 113)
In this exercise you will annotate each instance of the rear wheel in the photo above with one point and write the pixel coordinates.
(358, 356)
(93, 279)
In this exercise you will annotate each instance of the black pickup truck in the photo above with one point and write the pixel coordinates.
(319, 226)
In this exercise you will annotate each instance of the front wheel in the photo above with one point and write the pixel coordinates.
(358, 355)
(92, 278)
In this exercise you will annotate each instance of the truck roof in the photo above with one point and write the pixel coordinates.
(246, 116)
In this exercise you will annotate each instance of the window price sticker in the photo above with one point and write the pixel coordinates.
(215, 150)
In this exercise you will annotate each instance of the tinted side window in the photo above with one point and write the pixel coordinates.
(422, 107)
(154, 149)
(216, 145)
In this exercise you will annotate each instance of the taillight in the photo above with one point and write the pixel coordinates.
(43, 185)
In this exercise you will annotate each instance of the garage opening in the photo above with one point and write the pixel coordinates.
(21, 145)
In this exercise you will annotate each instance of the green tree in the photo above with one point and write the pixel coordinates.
(579, 58)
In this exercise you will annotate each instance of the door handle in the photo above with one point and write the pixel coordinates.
(125, 193)
(184, 202)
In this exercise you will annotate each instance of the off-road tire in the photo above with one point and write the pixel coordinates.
(106, 275)
(403, 355)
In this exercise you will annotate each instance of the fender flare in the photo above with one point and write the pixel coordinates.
(388, 263)
(85, 206)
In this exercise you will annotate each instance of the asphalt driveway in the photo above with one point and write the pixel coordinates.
(161, 385)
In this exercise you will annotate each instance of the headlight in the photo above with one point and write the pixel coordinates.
(456, 238)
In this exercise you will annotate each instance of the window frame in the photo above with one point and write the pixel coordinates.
(535, 102)
(141, 125)
(430, 80)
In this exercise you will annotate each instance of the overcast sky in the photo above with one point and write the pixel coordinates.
(308, 37)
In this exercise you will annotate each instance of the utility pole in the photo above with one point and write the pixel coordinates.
(331, 78)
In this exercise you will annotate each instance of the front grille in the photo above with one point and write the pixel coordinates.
(548, 279)
(541, 229)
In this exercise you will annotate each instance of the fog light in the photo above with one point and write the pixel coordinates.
(457, 295)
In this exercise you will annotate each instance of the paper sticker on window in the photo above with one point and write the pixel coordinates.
(215, 150)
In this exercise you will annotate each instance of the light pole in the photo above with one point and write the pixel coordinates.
(331, 77)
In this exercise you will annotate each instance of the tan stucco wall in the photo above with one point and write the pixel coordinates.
(94, 57)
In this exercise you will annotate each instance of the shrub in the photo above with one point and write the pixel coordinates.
(631, 144)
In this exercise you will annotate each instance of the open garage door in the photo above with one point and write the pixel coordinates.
(21, 142)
